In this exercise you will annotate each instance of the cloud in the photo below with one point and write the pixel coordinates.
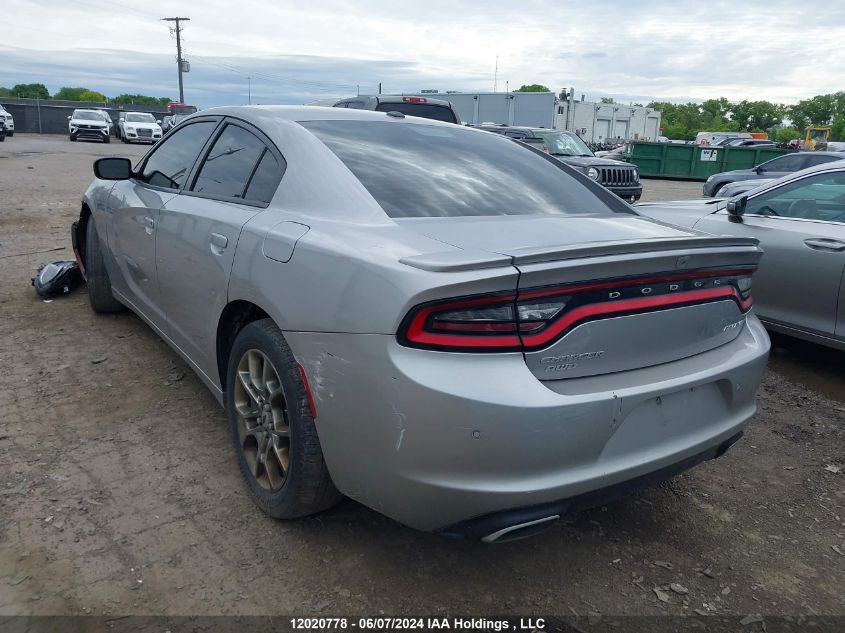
(296, 53)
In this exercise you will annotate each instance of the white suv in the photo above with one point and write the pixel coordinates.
(138, 126)
(8, 120)
(89, 124)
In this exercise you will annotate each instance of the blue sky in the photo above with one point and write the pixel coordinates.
(297, 52)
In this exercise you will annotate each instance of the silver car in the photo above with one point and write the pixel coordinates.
(800, 222)
(451, 328)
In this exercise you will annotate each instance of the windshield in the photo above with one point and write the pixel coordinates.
(415, 170)
(140, 118)
(184, 109)
(424, 110)
(87, 115)
(561, 144)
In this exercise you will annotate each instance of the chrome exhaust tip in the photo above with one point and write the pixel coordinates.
(520, 530)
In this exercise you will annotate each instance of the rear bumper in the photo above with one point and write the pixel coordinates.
(517, 523)
(443, 441)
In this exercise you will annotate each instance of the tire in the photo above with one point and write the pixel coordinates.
(304, 486)
(73, 138)
(124, 139)
(10, 134)
(107, 139)
(97, 277)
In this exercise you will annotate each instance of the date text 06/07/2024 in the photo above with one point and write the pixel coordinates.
(419, 624)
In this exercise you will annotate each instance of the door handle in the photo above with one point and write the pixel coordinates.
(825, 244)
(220, 241)
(149, 224)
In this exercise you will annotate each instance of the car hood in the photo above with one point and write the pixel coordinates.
(142, 126)
(90, 122)
(738, 174)
(592, 161)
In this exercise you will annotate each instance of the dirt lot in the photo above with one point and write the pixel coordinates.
(119, 492)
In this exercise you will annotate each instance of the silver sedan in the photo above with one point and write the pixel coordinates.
(449, 327)
(800, 222)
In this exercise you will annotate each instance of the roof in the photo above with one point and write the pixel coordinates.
(274, 113)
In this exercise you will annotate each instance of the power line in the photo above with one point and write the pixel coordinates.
(181, 63)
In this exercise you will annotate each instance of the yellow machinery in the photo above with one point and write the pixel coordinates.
(815, 138)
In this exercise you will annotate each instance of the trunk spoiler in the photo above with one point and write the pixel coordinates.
(457, 261)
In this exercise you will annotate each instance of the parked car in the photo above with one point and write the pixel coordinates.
(8, 121)
(139, 126)
(2, 130)
(741, 186)
(748, 142)
(800, 222)
(447, 326)
(88, 124)
(623, 179)
(774, 168)
(425, 107)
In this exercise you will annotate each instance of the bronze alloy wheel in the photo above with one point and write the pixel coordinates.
(262, 420)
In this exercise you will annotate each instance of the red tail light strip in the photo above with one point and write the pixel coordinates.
(594, 310)
(421, 330)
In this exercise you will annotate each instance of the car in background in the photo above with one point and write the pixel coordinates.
(800, 222)
(774, 168)
(89, 124)
(2, 130)
(8, 121)
(139, 126)
(425, 107)
(741, 186)
(497, 342)
(748, 142)
(621, 178)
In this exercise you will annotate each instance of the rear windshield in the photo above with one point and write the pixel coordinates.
(424, 110)
(443, 171)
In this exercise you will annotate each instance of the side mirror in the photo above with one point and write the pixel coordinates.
(158, 121)
(736, 209)
(759, 169)
(113, 168)
(68, 118)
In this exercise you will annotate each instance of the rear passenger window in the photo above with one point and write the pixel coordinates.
(266, 178)
(229, 165)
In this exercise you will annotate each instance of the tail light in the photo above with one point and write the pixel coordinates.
(414, 99)
(536, 318)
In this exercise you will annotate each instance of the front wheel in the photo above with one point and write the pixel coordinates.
(107, 139)
(96, 276)
(73, 138)
(272, 427)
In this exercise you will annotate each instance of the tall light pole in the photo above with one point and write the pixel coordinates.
(179, 61)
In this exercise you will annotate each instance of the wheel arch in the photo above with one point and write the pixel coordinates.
(234, 317)
(78, 236)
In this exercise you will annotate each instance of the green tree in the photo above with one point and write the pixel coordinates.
(757, 116)
(93, 96)
(532, 88)
(784, 134)
(128, 99)
(6, 92)
(70, 94)
(31, 91)
(607, 100)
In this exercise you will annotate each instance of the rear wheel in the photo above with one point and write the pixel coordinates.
(272, 428)
(96, 276)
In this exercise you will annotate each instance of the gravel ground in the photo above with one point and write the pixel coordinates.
(119, 492)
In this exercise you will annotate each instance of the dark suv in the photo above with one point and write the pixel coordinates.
(623, 179)
(436, 109)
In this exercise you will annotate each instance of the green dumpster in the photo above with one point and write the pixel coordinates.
(694, 162)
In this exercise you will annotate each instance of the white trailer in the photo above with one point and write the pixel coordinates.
(600, 122)
(533, 109)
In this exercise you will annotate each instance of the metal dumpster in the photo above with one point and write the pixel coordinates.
(694, 162)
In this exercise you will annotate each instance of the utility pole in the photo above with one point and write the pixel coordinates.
(179, 60)
(249, 89)
(496, 74)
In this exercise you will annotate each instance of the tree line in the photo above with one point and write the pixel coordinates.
(39, 91)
